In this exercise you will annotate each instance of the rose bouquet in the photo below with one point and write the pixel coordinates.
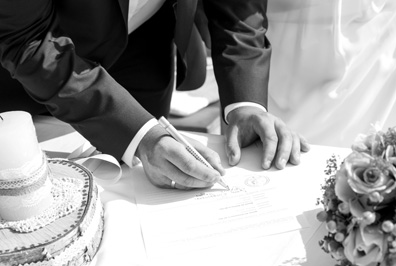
(359, 200)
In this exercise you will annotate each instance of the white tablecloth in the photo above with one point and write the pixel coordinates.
(123, 243)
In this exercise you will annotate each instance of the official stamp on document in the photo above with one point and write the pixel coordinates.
(257, 180)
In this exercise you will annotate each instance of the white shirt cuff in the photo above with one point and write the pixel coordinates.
(234, 106)
(130, 151)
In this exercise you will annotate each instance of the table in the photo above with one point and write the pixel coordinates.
(123, 243)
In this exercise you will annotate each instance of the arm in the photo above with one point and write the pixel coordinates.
(241, 57)
(240, 50)
(79, 91)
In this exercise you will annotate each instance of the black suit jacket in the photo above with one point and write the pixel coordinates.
(60, 50)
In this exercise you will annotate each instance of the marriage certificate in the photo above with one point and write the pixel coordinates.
(259, 203)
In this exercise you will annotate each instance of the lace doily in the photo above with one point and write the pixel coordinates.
(66, 197)
(88, 242)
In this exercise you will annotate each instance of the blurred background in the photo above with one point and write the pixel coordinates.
(333, 71)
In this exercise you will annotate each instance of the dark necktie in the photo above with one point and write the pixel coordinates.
(191, 65)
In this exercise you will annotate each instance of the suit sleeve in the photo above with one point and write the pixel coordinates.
(240, 50)
(76, 90)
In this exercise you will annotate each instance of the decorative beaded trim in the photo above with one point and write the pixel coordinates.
(66, 198)
(28, 189)
(87, 244)
(27, 175)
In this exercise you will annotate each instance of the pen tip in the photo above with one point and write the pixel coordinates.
(221, 182)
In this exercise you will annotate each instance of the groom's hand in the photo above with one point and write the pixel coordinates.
(280, 144)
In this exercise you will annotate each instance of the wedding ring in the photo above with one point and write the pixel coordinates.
(173, 184)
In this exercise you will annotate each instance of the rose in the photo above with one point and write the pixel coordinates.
(372, 144)
(378, 144)
(364, 181)
(368, 175)
(365, 246)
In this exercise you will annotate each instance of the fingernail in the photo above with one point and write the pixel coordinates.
(282, 163)
(231, 160)
(307, 147)
(298, 159)
(217, 178)
(267, 164)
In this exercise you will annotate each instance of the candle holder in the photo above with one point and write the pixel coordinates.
(50, 210)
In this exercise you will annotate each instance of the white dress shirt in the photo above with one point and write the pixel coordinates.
(139, 12)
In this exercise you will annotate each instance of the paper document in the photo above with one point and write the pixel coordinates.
(175, 221)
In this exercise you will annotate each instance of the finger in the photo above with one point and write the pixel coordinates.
(212, 157)
(169, 172)
(187, 171)
(174, 185)
(233, 148)
(269, 138)
(305, 147)
(184, 181)
(180, 187)
(285, 141)
(295, 150)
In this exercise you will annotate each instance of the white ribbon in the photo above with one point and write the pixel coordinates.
(105, 168)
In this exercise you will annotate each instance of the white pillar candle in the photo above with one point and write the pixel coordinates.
(18, 139)
(23, 167)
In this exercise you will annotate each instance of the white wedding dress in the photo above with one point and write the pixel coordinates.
(333, 67)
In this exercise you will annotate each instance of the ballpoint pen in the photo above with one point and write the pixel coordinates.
(177, 136)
